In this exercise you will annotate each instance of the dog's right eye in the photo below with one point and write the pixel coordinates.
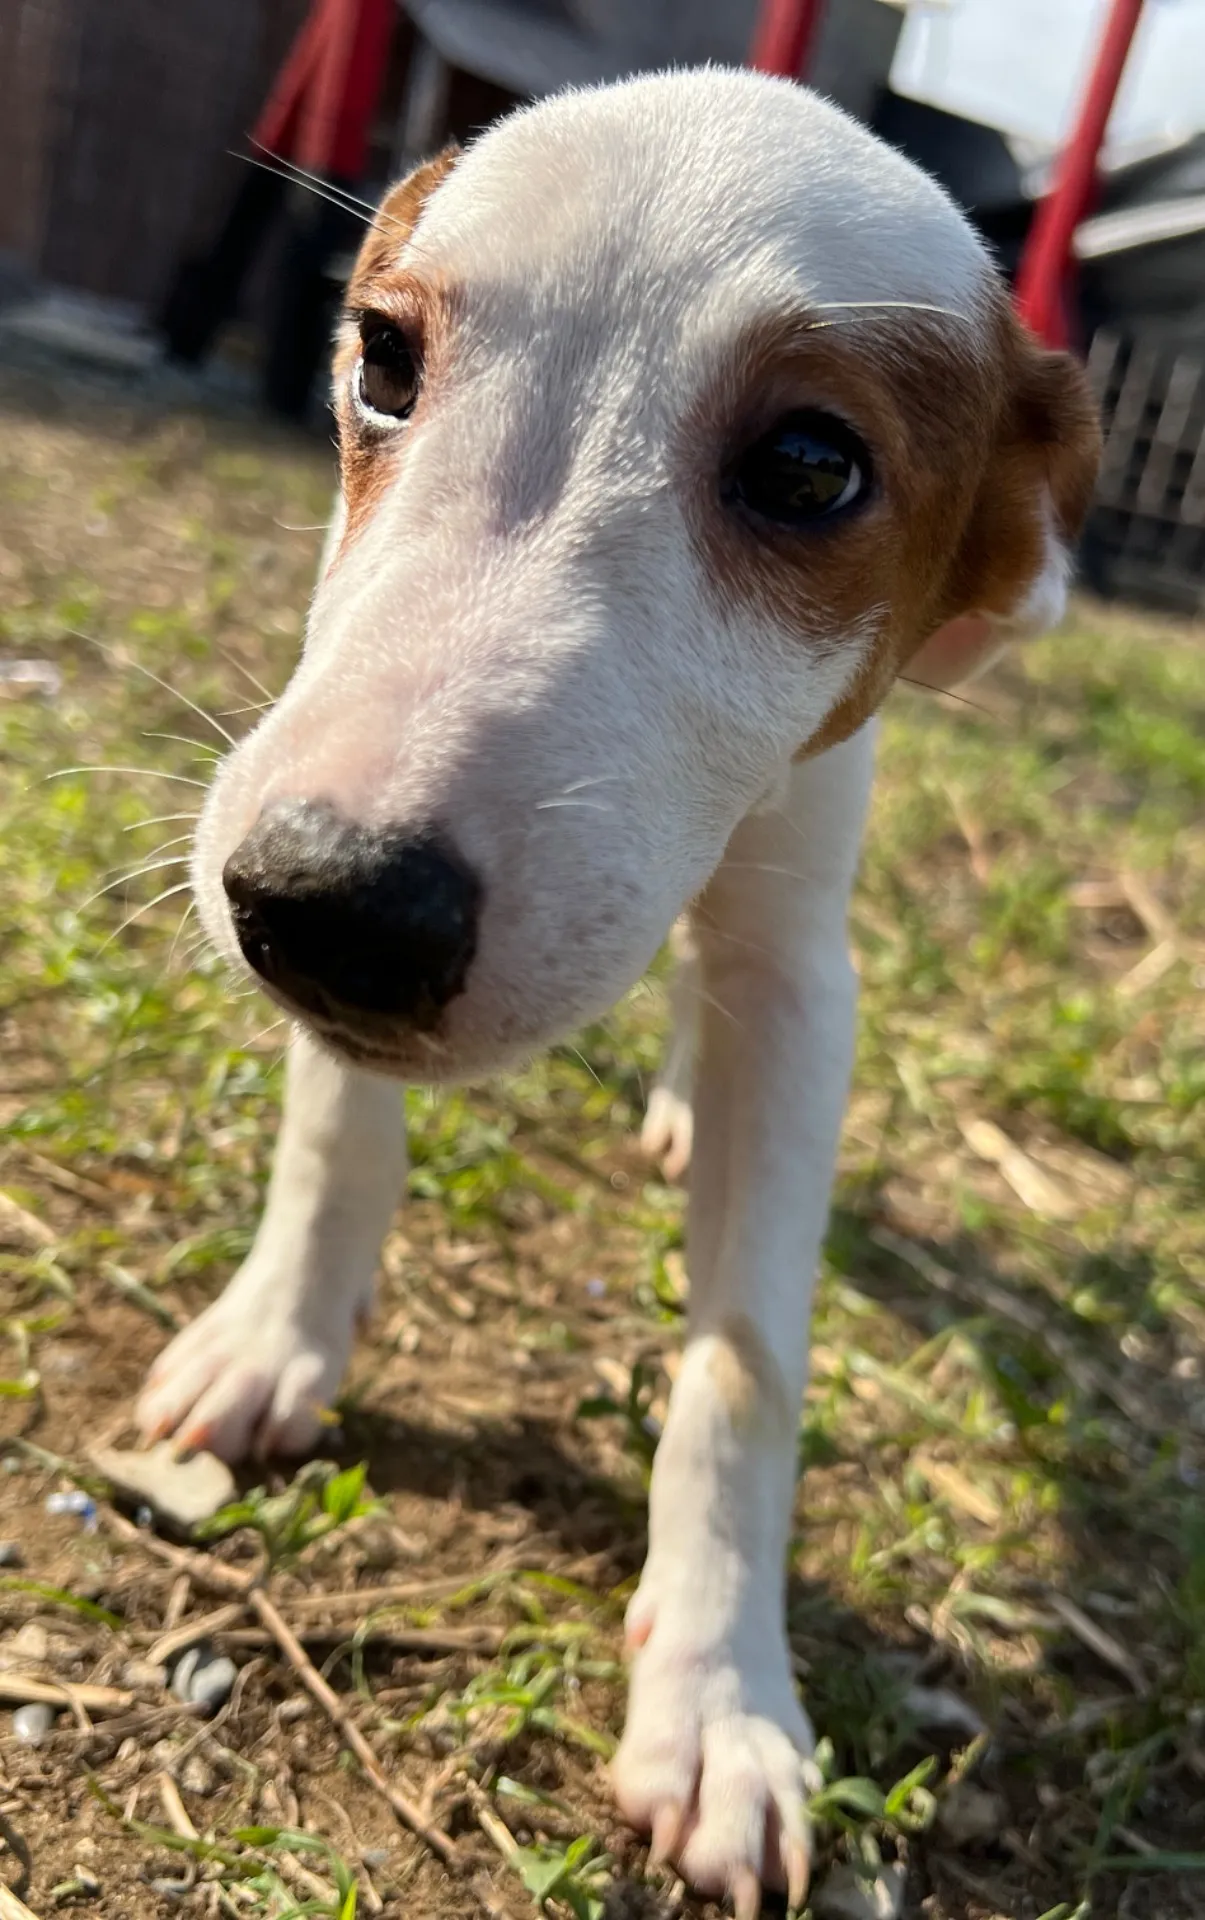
(388, 379)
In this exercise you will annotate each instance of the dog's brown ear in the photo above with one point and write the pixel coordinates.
(397, 217)
(1010, 574)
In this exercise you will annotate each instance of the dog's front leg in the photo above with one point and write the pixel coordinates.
(255, 1371)
(714, 1755)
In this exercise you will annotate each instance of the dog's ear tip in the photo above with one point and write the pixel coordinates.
(1014, 559)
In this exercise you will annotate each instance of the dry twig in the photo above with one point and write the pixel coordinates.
(440, 1843)
(13, 1909)
(19, 1689)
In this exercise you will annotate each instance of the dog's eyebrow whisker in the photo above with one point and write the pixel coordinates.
(882, 306)
(169, 893)
(121, 660)
(153, 773)
(592, 780)
(284, 169)
(595, 806)
(315, 181)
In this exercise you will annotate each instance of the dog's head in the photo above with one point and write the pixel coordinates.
(676, 419)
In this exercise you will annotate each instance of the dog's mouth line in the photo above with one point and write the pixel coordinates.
(356, 1044)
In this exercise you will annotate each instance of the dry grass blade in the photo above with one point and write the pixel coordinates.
(13, 1909)
(424, 1640)
(1103, 1644)
(982, 1293)
(18, 1223)
(1032, 1185)
(211, 1574)
(492, 1825)
(190, 1631)
(21, 1689)
(174, 1810)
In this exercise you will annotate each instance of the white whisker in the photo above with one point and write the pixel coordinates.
(578, 1055)
(304, 177)
(719, 1006)
(169, 893)
(155, 773)
(135, 873)
(269, 698)
(159, 820)
(764, 866)
(185, 740)
(123, 661)
(195, 946)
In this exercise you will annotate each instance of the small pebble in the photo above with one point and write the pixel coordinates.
(31, 1642)
(941, 1711)
(11, 1554)
(196, 1775)
(33, 1722)
(845, 1896)
(74, 1501)
(203, 1678)
(180, 1491)
(968, 1813)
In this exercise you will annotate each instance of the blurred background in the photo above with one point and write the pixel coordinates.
(133, 232)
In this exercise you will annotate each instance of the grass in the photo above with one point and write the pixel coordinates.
(997, 1587)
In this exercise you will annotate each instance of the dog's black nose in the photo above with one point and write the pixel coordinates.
(337, 916)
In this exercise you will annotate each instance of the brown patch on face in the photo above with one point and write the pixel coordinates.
(745, 1376)
(968, 424)
(420, 310)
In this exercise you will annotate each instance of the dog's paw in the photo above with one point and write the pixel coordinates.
(247, 1377)
(667, 1135)
(715, 1760)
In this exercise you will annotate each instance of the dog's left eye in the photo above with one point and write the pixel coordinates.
(808, 467)
(388, 380)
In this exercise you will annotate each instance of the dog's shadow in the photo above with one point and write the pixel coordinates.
(518, 1464)
(860, 1668)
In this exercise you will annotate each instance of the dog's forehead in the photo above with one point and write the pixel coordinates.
(709, 187)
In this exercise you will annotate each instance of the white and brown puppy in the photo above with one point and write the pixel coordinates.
(676, 419)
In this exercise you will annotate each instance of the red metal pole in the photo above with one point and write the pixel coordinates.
(1043, 269)
(784, 39)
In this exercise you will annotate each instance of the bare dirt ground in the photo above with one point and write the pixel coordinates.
(997, 1587)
